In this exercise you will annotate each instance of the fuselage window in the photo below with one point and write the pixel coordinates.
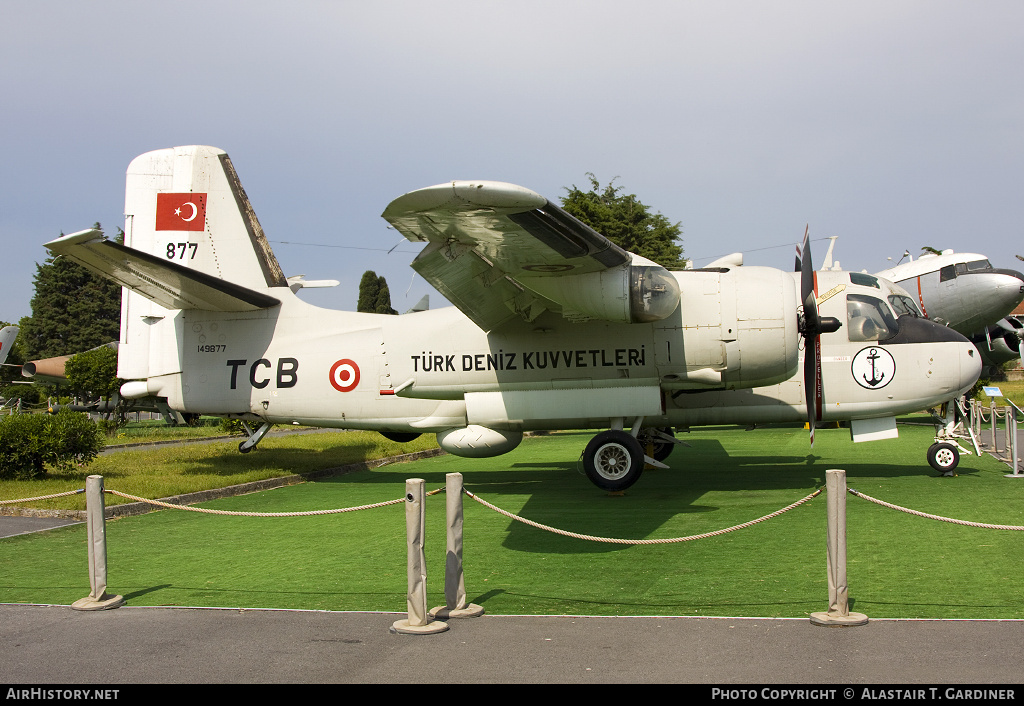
(863, 279)
(869, 319)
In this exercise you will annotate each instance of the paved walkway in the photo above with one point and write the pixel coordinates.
(55, 644)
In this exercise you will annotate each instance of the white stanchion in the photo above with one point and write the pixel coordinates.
(838, 614)
(1012, 420)
(418, 622)
(456, 605)
(98, 598)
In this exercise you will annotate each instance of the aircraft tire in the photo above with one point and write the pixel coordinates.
(613, 460)
(943, 457)
(242, 448)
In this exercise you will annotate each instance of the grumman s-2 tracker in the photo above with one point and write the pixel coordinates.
(554, 327)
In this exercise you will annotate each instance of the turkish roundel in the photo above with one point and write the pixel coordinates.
(181, 211)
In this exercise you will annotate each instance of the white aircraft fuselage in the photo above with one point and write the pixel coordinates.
(554, 327)
(963, 291)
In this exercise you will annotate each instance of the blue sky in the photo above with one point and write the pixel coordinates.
(892, 125)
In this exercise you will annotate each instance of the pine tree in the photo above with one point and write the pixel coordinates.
(374, 295)
(627, 222)
(73, 310)
(368, 289)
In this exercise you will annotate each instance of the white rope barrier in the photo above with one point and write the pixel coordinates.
(611, 540)
(43, 497)
(932, 517)
(307, 513)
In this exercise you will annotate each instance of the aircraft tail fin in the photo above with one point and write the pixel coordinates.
(7, 336)
(186, 205)
(191, 241)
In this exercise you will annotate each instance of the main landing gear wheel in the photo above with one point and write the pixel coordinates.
(943, 457)
(613, 460)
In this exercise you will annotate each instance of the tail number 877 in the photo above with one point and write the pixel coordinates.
(179, 250)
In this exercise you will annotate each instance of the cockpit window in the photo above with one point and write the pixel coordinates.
(947, 273)
(979, 265)
(869, 319)
(905, 305)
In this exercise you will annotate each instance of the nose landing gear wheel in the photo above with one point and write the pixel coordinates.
(943, 457)
(613, 460)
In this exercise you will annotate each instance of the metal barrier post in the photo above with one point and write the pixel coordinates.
(418, 622)
(1014, 462)
(98, 598)
(838, 613)
(454, 579)
(995, 424)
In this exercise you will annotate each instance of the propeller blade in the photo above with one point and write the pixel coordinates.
(813, 384)
(813, 387)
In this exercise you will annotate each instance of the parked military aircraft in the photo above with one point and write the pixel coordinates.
(554, 327)
(964, 292)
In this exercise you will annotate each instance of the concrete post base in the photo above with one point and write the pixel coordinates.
(104, 602)
(404, 627)
(827, 619)
(470, 611)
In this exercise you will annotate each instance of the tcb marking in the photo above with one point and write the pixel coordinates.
(287, 372)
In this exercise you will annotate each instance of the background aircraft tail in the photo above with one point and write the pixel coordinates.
(7, 336)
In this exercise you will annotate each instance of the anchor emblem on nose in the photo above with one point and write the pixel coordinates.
(873, 368)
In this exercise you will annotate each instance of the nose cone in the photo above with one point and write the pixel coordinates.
(970, 368)
(1007, 288)
(985, 297)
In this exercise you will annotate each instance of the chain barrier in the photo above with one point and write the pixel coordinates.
(43, 497)
(234, 513)
(610, 540)
(932, 517)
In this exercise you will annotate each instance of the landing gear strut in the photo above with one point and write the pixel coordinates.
(944, 454)
(254, 437)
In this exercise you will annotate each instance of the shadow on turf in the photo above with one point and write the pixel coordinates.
(560, 495)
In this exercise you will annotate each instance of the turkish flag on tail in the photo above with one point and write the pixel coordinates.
(181, 212)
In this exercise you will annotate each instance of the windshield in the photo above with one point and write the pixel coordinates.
(869, 319)
(904, 305)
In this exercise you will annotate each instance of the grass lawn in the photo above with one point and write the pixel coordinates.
(899, 565)
(172, 470)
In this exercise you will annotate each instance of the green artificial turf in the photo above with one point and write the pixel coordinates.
(899, 565)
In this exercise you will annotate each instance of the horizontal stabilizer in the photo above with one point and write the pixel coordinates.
(164, 282)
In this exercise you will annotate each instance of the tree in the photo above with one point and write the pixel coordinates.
(374, 295)
(627, 222)
(73, 310)
(93, 374)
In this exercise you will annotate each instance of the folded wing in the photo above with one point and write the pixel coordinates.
(500, 252)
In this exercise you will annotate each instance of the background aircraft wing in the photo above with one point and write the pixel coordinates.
(488, 241)
(168, 284)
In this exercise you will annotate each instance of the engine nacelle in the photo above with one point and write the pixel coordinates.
(634, 292)
(478, 442)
